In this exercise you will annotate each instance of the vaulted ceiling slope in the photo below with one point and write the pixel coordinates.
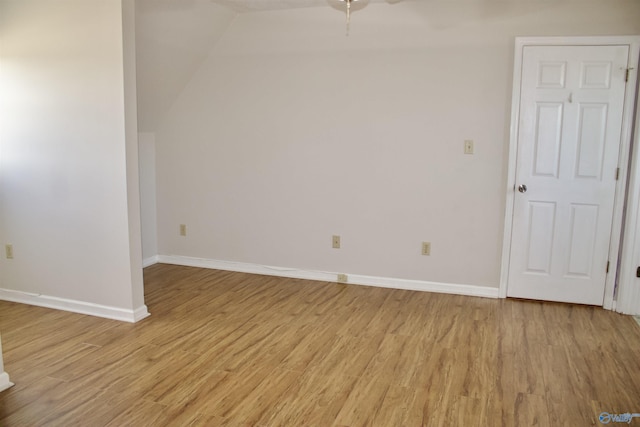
(249, 5)
(256, 5)
(173, 37)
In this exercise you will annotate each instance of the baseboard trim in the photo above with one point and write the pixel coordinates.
(75, 306)
(4, 381)
(242, 267)
(383, 282)
(150, 261)
(424, 286)
(139, 314)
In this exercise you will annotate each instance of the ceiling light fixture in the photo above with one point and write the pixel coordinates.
(348, 4)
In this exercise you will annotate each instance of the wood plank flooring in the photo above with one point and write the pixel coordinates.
(232, 349)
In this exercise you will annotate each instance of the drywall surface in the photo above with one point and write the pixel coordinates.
(64, 202)
(146, 141)
(291, 132)
(173, 37)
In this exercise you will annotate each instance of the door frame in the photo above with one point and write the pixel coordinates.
(626, 297)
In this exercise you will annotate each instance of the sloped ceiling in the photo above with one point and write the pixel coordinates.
(256, 5)
(173, 37)
(249, 5)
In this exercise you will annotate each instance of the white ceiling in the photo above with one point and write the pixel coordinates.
(258, 5)
(173, 37)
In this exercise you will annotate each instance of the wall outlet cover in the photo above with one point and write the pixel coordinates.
(468, 146)
(426, 248)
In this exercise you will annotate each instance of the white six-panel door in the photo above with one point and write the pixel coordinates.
(571, 110)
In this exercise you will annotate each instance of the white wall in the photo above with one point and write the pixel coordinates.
(147, 149)
(68, 166)
(172, 39)
(291, 132)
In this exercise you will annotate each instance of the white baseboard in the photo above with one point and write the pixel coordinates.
(149, 261)
(74, 306)
(4, 381)
(384, 282)
(139, 314)
(424, 286)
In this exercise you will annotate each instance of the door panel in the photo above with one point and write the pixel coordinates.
(541, 236)
(584, 223)
(547, 139)
(571, 104)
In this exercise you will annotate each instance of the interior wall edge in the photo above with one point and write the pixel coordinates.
(147, 262)
(5, 383)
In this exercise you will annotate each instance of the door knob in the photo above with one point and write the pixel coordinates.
(522, 188)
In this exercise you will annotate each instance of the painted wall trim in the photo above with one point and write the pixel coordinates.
(150, 261)
(354, 279)
(74, 306)
(4, 381)
(628, 298)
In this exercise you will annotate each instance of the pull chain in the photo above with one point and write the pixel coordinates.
(348, 15)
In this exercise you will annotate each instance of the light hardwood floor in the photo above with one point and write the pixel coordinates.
(234, 349)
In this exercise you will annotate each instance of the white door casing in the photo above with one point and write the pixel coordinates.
(570, 129)
(628, 295)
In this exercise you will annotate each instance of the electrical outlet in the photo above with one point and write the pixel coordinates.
(9, 251)
(426, 248)
(183, 229)
(343, 278)
(335, 242)
(468, 146)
